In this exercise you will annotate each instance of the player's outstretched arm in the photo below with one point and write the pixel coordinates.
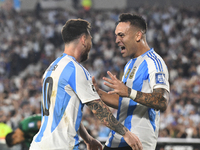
(92, 144)
(157, 100)
(103, 113)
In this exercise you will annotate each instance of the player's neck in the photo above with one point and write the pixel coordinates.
(73, 49)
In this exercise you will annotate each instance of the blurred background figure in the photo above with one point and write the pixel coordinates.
(38, 9)
(76, 4)
(86, 4)
(4, 130)
(174, 32)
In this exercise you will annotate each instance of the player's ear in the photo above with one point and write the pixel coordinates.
(138, 36)
(83, 39)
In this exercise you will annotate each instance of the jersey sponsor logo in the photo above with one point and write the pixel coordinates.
(160, 78)
(53, 67)
(133, 72)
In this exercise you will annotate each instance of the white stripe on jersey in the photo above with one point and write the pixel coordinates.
(71, 88)
(141, 74)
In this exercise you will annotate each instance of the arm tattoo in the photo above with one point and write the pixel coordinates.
(103, 113)
(129, 91)
(157, 100)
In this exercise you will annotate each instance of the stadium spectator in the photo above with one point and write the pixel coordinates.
(178, 45)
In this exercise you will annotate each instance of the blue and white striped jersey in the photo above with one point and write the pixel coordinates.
(144, 73)
(66, 87)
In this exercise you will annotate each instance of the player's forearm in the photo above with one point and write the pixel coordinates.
(102, 112)
(157, 100)
(110, 100)
(83, 133)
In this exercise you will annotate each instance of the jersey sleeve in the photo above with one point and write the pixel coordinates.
(159, 79)
(83, 85)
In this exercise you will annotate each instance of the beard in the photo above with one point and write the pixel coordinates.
(84, 57)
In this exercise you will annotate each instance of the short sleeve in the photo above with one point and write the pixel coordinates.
(159, 80)
(84, 87)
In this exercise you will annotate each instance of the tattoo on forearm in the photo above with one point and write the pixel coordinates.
(106, 117)
(129, 91)
(154, 100)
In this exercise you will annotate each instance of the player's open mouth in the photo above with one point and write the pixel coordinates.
(122, 48)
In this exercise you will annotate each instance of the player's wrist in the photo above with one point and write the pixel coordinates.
(88, 139)
(132, 93)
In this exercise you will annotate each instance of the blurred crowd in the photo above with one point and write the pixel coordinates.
(31, 40)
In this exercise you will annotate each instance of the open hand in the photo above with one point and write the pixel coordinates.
(94, 145)
(133, 141)
(119, 87)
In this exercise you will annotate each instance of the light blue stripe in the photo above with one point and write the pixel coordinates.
(122, 143)
(40, 135)
(44, 125)
(111, 138)
(131, 108)
(152, 117)
(62, 97)
(127, 123)
(119, 106)
(79, 116)
(77, 125)
(72, 79)
(59, 109)
(76, 145)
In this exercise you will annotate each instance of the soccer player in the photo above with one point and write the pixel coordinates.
(28, 127)
(144, 89)
(67, 87)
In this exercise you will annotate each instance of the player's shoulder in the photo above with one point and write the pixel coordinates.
(154, 62)
(153, 57)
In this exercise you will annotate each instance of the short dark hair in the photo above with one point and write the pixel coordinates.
(135, 20)
(74, 28)
(9, 139)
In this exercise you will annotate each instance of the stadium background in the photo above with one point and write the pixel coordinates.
(30, 39)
